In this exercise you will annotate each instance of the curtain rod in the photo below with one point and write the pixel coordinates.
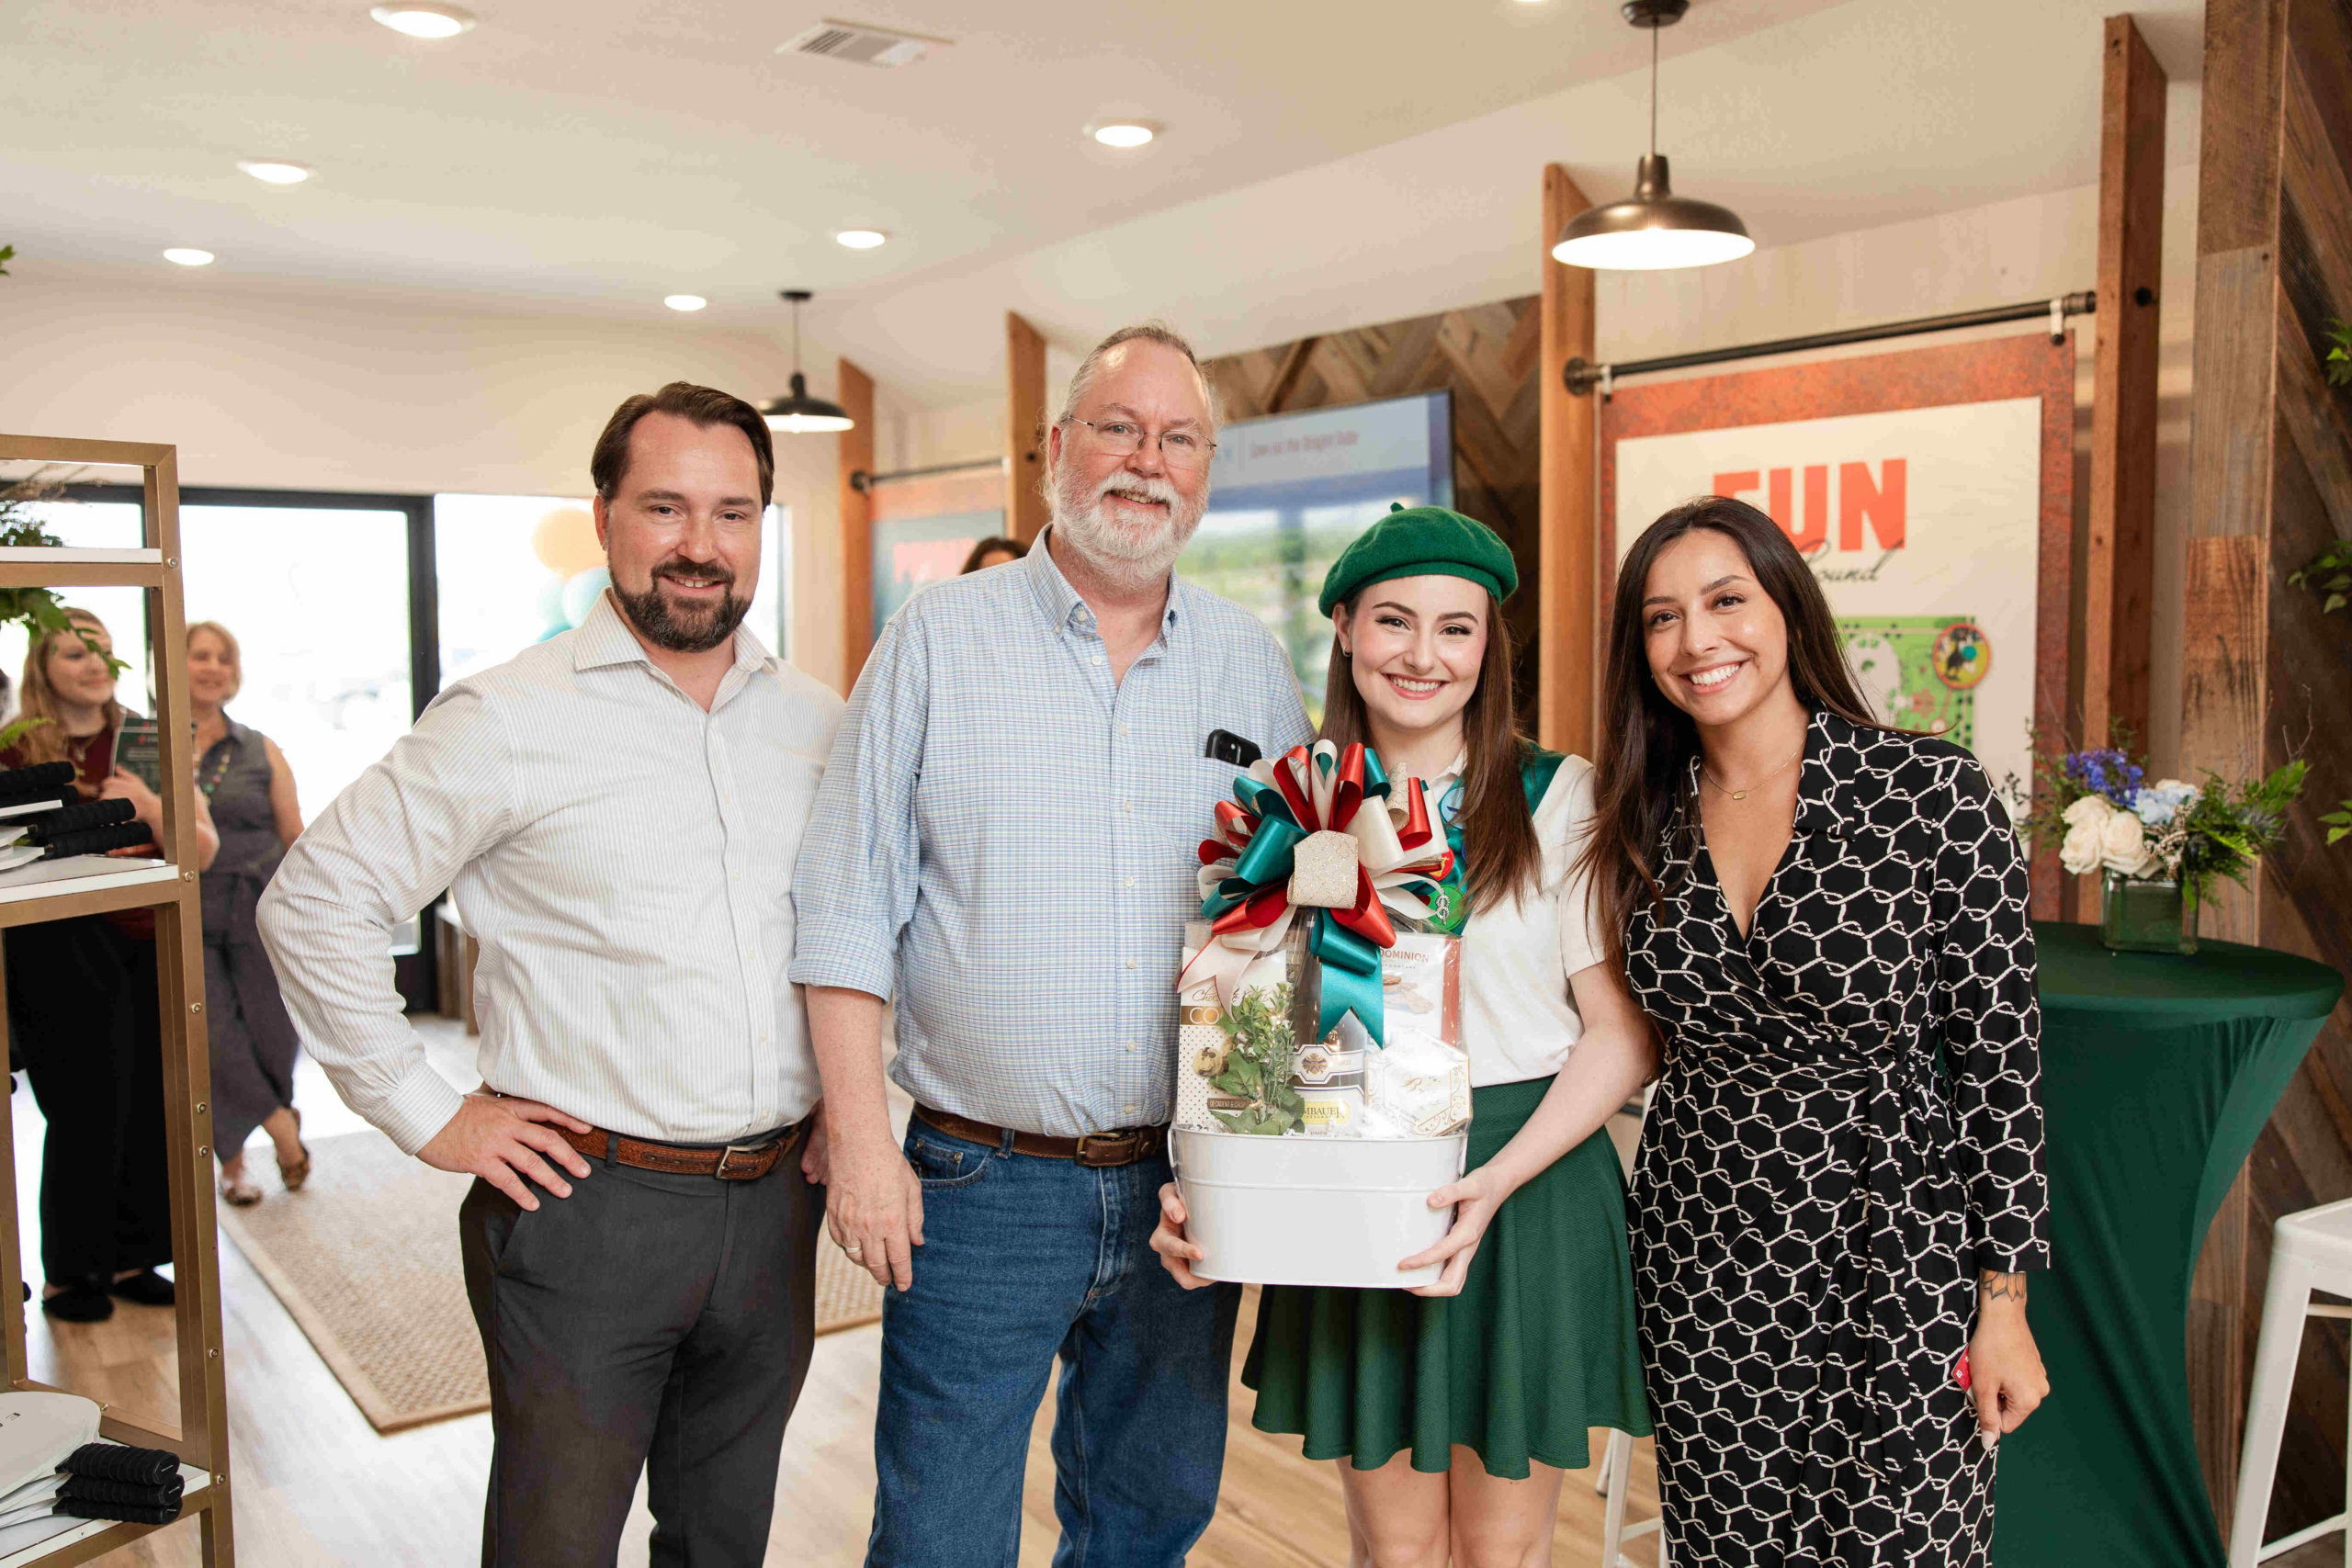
(1582, 375)
(860, 479)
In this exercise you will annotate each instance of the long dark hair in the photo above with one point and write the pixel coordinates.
(1498, 829)
(1647, 743)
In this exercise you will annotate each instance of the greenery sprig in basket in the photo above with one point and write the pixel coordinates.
(1255, 1062)
(2107, 817)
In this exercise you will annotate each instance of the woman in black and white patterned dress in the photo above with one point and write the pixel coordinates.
(1840, 1185)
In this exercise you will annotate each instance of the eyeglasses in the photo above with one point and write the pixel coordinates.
(1183, 449)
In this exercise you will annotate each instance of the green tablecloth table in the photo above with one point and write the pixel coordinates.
(2157, 1075)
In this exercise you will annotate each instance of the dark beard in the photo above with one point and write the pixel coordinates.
(695, 631)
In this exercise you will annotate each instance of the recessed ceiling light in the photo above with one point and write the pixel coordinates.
(1123, 132)
(685, 301)
(189, 256)
(860, 239)
(419, 18)
(269, 170)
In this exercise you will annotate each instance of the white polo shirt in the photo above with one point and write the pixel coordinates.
(1518, 1019)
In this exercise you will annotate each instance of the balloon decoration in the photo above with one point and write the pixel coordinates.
(580, 593)
(565, 542)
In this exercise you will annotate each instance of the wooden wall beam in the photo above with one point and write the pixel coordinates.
(2120, 562)
(854, 391)
(1025, 428)
(1568, 563)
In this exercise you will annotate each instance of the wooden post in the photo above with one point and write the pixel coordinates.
(1568, 563)
(2121, 560)
(2120, 554)
(1025, 428)
(853, 390)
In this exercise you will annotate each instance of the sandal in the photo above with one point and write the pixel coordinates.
(293, 1176)
(239, 1191)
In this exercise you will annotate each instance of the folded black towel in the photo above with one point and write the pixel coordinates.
(98, 840)
(20, 784)
(47, 827)
(114, 1461)
(138, 1494)
(131, 1513)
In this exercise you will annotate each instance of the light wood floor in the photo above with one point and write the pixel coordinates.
(314, 1485)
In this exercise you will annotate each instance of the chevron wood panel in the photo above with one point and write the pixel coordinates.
(2274, 475)
(1487, 357)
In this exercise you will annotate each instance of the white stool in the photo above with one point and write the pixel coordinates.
(1616, 1469)
(2309, 1251)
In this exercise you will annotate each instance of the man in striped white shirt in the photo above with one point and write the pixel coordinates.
(616, 812)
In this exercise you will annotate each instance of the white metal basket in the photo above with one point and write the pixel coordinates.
(1271, 1211)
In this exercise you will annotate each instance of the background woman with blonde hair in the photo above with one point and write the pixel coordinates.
(243, 777)
(82, 1014)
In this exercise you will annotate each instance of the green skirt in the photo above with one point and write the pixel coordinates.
(1536, 1351)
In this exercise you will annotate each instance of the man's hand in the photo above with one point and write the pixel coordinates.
(501, 1141)
(874, 1209)
(1177, 1252)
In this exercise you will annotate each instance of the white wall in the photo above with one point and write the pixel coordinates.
(344, 392)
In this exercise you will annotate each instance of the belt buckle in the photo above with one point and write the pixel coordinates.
(1086, 1156)
(749, 1151)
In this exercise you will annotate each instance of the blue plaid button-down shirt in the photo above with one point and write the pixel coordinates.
(1010, 836)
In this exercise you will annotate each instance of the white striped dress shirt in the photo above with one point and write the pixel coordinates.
(624, 860)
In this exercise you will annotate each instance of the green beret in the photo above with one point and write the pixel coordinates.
(1421, 541)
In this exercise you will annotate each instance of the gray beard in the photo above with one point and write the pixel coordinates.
(1115, 553)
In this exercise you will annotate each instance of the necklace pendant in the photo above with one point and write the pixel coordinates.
(1739, 795)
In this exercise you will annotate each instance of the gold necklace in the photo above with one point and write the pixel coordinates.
(1744, 794)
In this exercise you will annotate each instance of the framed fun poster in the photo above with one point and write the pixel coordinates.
(1931, 489)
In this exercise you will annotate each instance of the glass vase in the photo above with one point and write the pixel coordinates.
(2146, 915)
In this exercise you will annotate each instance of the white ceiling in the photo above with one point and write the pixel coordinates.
(1325, 163)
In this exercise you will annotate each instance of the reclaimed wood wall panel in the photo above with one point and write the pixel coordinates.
(1486, 355)
(2265, 675)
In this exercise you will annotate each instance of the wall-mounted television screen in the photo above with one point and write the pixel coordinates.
(1289, 492)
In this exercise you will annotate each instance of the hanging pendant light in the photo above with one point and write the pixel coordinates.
(1654, 229)
(801, 414)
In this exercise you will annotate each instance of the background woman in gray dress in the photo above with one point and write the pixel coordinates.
(251, 789)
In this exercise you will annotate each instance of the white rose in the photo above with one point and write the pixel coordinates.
(2080, 851)
(2090, 809)
(2123, 843)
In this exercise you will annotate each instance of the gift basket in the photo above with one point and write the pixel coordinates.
(1322, 1093)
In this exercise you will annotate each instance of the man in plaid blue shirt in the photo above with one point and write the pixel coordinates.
(1003, 845)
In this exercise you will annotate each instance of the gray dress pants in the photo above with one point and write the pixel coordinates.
(648, 1323)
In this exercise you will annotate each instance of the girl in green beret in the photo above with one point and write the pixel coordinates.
(1452, 1409)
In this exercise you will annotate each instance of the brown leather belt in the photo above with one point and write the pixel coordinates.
(736, 1162)
(1098, 1150)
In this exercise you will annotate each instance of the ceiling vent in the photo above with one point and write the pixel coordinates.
(860, 44)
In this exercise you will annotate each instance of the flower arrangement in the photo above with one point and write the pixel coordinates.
(2106, 816)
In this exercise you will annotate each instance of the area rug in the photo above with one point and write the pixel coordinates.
(365, 1260)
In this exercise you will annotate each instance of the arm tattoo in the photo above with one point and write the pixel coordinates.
(1995, 1286)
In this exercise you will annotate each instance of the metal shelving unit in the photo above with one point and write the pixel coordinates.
(202, 1441)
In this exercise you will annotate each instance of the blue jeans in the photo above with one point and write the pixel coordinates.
(1022, 1258)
